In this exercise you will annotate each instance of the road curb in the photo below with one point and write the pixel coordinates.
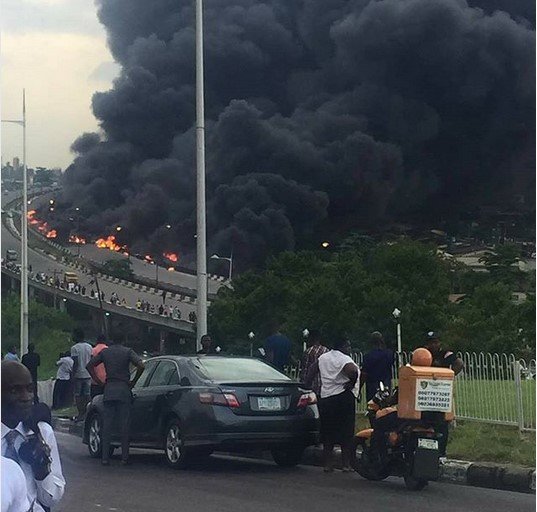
(503, 477)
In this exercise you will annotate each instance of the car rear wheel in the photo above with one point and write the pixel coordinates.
(95, 437)
(174, 449)
(287, 457)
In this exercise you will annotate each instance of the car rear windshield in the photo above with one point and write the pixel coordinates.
(223, 369)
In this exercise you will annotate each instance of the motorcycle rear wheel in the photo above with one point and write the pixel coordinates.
(361, 461)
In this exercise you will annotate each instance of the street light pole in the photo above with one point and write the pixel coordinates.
(397, 315)
(201, 245)
(24, 232)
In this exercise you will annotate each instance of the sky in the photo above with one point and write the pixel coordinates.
(57, 51)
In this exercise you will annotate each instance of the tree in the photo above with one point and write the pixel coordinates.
(118, 268)
(49, 330)
(502, 263)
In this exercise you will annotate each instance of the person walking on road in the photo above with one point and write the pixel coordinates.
(310, 357)
(62, 386)
(377, 365)
(100, 345)
(337, 407)
(81, 354)
(117, 392)
(32, 360)
(277, 348)
(29, 441)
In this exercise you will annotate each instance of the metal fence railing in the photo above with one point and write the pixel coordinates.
(492, 388)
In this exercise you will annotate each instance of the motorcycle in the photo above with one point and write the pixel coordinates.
(395, 446)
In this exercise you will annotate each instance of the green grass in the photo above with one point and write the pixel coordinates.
(66, 412)
(483, 442)
(494, 400)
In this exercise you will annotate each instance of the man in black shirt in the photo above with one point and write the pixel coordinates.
(443, 359)
(32, 360)
(206, 345)
(117, 392)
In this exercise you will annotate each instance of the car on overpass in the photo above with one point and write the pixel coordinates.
(191, 406)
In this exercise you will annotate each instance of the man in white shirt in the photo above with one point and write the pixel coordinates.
(30, 443)
(81, 354)
(62, 386)
(337, 407)
(14, 490)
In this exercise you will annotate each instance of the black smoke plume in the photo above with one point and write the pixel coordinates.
(322, 115)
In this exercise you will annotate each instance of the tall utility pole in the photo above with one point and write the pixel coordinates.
(24, 236)
(24, 231)
(201, 236)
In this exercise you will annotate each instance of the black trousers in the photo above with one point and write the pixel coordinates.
(95, 390)
(443, 428)
(119, 411)
(61, 393)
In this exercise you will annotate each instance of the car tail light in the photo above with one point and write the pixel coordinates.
(225, 399)
(307, 399)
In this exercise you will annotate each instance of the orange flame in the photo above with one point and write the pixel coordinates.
(52, 233)
(171, 256)
(108, 243)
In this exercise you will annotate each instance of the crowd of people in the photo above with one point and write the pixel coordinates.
(32, 476)
(162, 309)
(339, 381)
(166, 310)
(104, 368)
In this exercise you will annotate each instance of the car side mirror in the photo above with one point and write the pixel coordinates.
(185, 382)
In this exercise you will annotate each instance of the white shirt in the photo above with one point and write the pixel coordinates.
(14, 491)
(82, 350)
(65, 367)
(50, 490)
(333, 379)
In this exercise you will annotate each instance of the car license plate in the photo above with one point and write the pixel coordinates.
(428, 444)
(271, 403)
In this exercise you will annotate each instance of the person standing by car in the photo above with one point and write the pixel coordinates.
(277, 348)
(100, 345)
(207, 346)
(32, 360)
(310, 357)
(377, 366)
(337, 407)
(81, 354)
(117, 396)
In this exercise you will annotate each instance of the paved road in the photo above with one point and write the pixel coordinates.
(41, 263)
(228, 484)
(139, 267)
